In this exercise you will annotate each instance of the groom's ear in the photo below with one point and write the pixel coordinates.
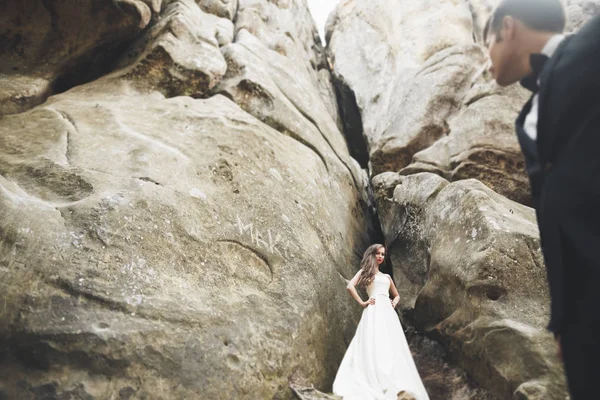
(509, 28)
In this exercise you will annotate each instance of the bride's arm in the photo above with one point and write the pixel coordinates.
(352, 289)
(394, 292)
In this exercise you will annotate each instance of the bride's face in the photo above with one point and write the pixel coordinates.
(380, 256)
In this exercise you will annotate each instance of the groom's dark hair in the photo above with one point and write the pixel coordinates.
(540, 15)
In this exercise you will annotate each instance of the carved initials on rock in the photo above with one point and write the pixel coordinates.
(271, 242)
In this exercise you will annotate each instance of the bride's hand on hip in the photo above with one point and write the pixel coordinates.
(370, 302)
(394, 303)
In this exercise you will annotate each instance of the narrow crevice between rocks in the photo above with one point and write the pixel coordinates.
(352, 120)
(477, 23)
(376, 231)
(442, 379)
(99, 62)
(474, 22)
(234, 19)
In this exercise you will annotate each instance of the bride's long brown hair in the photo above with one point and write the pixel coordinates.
(368, 265)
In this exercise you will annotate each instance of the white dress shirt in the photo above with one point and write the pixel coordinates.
(530, 125)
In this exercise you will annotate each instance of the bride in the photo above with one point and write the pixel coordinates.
(378, 364)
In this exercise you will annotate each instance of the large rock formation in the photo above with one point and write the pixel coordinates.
(179, 223)
(409, 65)
(50, 46)
(467, 260)
(179, 207)
(416, 72)
(448, 176)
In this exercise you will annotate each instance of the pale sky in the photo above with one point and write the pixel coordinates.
(320, 10)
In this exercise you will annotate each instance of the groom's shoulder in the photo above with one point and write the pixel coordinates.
(590, 29)
(585, 42)
(579, 58)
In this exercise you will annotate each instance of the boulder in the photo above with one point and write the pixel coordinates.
(179, 55)
(415, 72)
(163, 244)
(50, 46)
(409, 65)
(481, 143)
(183, 225)
(221, 8)
(468, 261)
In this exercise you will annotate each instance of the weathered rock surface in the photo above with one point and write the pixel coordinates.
(179, 207)
(181, 226)
(409, 65)
(49, 46)
(443, 379)
(580, 11)
(179, 55)
(221, 8)
(310, 393)
(416, 71)
(481, 143)
(468, 260)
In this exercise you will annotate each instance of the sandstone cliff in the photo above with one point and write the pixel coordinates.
(178, 206)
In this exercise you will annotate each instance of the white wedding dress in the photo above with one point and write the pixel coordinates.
(378, 363)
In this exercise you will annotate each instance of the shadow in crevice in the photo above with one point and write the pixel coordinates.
(376, 233)
(352, 119)
(442, 378)
(387, 267)
(98, 62)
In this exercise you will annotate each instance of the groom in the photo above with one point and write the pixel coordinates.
(559, 133)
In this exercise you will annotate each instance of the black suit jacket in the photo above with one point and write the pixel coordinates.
(564, 170)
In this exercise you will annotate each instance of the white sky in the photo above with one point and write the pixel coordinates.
(320, 10)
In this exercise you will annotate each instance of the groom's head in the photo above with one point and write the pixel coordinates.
(515, 30)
